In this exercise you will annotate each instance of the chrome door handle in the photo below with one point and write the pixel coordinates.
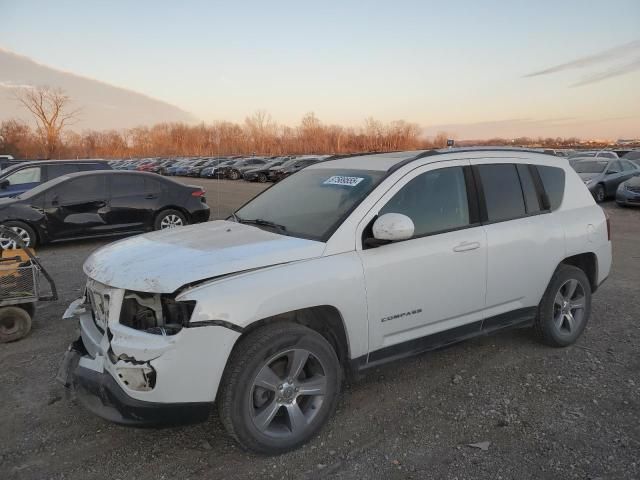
(466, 246)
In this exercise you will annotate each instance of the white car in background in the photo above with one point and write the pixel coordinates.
(346, 265)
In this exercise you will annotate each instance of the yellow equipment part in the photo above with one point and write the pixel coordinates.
(11, 260)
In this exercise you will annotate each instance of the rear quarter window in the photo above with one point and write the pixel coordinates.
(553, 180)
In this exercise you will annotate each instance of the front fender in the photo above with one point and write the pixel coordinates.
(244, 299)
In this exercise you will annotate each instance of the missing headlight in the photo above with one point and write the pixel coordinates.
(155, 313)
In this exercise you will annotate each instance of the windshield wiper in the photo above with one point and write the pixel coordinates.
(263, 223)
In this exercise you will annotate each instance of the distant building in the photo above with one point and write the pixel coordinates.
(622, 141)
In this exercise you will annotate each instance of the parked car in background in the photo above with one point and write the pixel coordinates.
(340, 268)
(176, 166)
(292, 166)
(99, 203)
(602, 176)
(261, 174)
(593, 153)
(238, 170)
(24, 176)
(212, 171)
(628, 193)
(194, 170)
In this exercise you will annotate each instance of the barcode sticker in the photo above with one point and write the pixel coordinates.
(340, 180)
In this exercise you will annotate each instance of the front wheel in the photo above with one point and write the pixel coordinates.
(262, 178)
(234, 175)
(280, 387)
(565, 307)
(24, 231)
(169, 219)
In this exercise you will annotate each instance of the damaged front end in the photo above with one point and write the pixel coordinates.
(136, 353)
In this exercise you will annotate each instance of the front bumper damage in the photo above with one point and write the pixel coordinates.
(133, 377)
(102, 395)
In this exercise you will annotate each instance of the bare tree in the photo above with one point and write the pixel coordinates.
(50, 108)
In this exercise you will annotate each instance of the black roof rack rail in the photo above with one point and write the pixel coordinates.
(407, 161)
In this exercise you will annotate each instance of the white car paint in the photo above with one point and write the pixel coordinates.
(163, 261)
(443, 281)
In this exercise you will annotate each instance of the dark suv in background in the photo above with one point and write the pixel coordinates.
(24, 176)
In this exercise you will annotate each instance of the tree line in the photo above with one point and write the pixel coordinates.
(258, 134)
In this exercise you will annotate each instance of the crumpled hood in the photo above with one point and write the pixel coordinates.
(162, 262)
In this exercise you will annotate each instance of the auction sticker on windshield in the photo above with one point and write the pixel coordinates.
(340, 180)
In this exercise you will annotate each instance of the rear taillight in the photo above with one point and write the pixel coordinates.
(197, 193)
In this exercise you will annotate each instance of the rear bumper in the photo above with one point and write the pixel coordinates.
(200, 216)
(99, 393)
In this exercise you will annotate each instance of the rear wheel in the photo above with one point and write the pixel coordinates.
(15, 323)
(599, 193)
(280, 387)
(262, 178)
(170, 219)
(234, 175)
(24, 231)
(565, 308)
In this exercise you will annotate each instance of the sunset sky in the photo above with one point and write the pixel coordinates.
(460, 66)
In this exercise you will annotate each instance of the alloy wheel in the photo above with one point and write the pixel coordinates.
(569, 307)
(171, 221)
(9, 243)
(287, 393)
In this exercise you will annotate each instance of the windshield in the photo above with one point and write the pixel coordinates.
(635, 155)
(589, 166)
(311, 203)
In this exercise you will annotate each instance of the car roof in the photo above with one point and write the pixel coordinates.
(391, 161)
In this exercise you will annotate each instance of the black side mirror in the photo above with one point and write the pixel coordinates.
(4, 183)
(612, 172)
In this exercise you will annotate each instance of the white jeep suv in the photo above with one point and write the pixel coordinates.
(347, 264)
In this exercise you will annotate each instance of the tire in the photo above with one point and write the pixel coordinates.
(258, 416)
(25, 231)
(15, 323)
(262, 178)
(169, 219)
(558, 323)
(599, 194)
(234, 175)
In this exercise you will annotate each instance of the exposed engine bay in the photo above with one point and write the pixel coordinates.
(155, 313)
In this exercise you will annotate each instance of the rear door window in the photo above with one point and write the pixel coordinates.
(502, 192)
(553, 183)
(127, 185)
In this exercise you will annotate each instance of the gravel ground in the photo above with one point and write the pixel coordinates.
(536, 412)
